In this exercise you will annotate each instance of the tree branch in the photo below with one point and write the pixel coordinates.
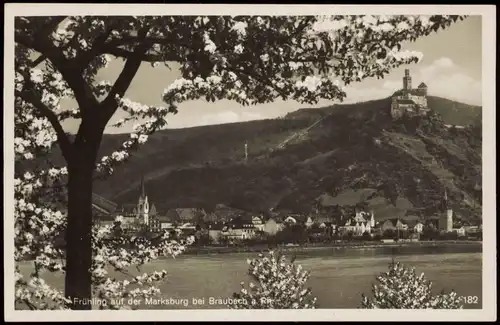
(83, 60)
(31, 97)
(110, 104)
(49, 27)
(82, 93)
(114, 47)
(122, 53)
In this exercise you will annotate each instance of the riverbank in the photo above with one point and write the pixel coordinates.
(208, 250)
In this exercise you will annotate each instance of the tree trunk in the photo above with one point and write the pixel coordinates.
(78, 281)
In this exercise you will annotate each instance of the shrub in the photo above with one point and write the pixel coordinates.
(279, 285)
(402, 288)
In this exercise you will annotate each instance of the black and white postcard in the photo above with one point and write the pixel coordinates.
(249, 162)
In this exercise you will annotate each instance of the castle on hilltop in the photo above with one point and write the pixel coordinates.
(409, 101)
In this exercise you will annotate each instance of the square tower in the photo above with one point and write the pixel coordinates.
(407, 81)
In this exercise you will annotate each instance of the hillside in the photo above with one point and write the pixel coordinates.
(404, 166)
(354, 155)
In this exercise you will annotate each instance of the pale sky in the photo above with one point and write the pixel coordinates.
(451, 68)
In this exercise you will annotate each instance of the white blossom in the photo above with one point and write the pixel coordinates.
(279, 285)
(238, 49)
(402, 288)
(241, 28)
(209, 44)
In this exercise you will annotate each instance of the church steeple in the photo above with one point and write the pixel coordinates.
(143, 190)
(444, 203)
(143, 204)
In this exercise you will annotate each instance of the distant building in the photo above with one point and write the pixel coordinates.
(159, 223)
(446, 217)
(272, 226)
(294, 219)
(408, 100)
(258, 223)
(215, 232)
(183, 216)
(460, 231)
(224, 213)
(394, 224)
(103, 210)
(470, 230)
(239, 229)
(359, 224)
(418, 227)
(140, 214)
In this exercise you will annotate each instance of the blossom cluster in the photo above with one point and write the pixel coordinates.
(279, 284)
(112, 248)
(402, 288)
(152, 118)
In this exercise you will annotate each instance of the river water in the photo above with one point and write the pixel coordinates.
(338, 275)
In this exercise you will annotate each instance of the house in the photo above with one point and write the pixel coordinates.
(308, 222)
(322, 220)
(238, 229)
(471, 229)
(188, 228)
(395, 224)
(272, 226)
(258, 223)
(104, 220)
(215, 231)
(103, 210)
(181, 216)
(460, 231)
(418, 227)
(413, 223)
(295, 219)
(359, 224)
(327, 223)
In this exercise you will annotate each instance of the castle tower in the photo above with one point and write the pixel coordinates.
(422, 89)
(372, 220)
(407, 81)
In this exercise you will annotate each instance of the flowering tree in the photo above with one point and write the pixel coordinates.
(402, 288)
(247, 59)
(280, 285)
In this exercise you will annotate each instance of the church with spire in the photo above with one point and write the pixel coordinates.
(143, 211)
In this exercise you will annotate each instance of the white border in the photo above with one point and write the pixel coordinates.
(489, 164)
